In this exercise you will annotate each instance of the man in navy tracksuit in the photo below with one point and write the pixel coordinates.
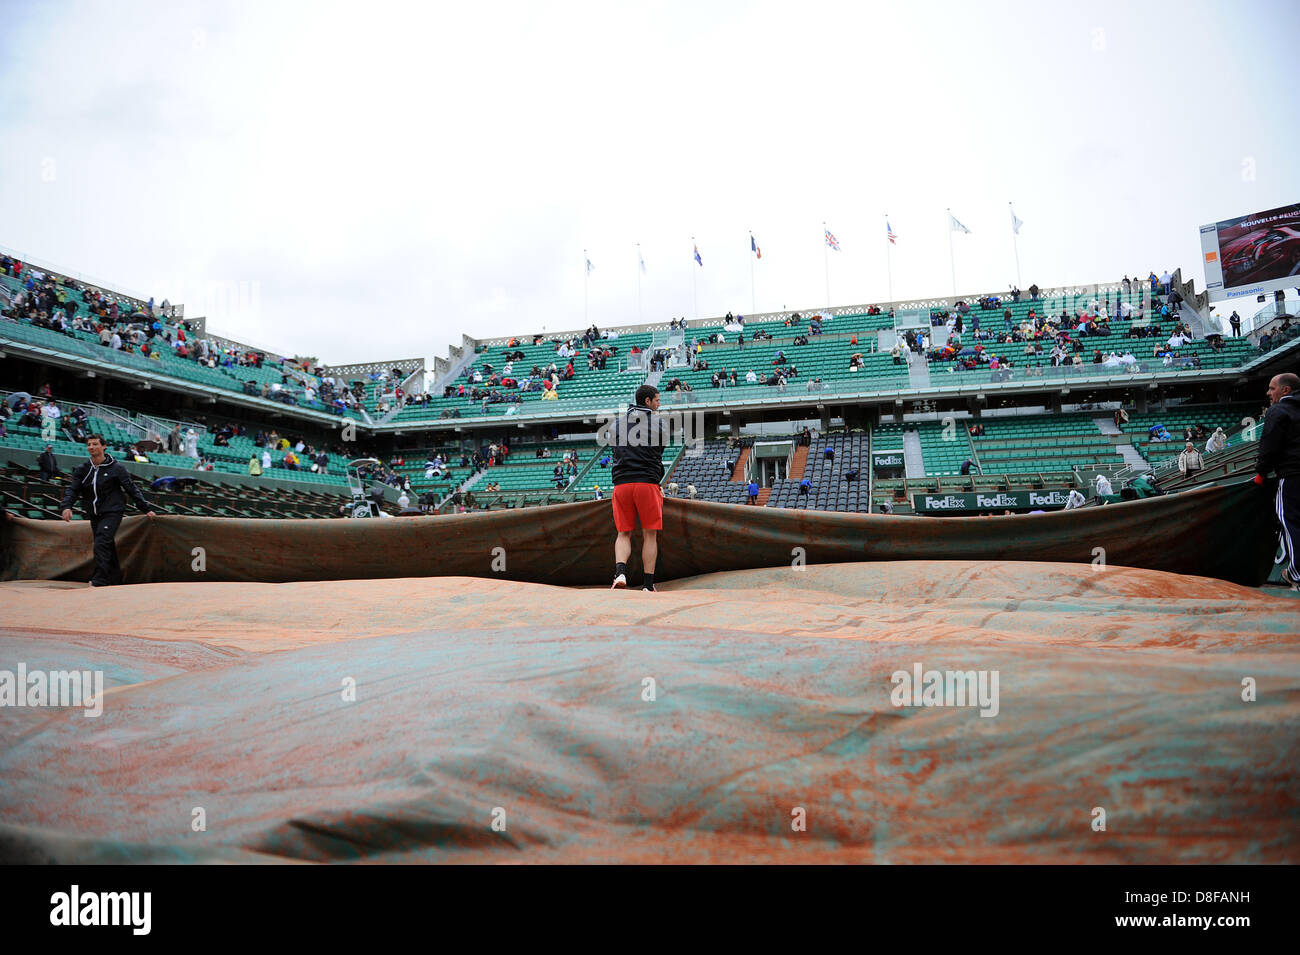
(103, 485)
(1279, 450)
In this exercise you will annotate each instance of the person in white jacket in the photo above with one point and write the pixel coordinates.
(1217, 442)
(1103, 486)
(1190, 460)
(50, 415)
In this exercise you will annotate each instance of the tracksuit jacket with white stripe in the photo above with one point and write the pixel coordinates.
(1279, 442)
(103, 488)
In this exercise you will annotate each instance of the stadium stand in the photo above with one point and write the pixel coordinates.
(705, 468)
(1176, 421)
(25, 493)
(844, 366)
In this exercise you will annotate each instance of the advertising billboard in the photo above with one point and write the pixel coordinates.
(974, 503)
(1252, 255)
(888, 464)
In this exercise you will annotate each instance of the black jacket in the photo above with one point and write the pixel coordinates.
(103, 489)
(1279, 443)
(638, 445)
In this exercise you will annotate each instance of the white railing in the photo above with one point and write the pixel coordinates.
(113, 289)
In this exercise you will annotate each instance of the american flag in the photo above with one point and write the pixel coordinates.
(833, 242)
(889, 230)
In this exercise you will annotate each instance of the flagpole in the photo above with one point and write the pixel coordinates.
(695, 295)
(639, 317)
(951, 258)
(753, 308)
(586, 277)
(826, 256)
(889, 259)
(1014, 244)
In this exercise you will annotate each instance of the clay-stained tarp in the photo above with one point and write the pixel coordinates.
(482, 700)
(1225, 531)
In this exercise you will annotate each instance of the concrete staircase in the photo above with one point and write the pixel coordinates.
(798, 463)
(763, 494)
(1132, 456)
(1105, 424)
(913, 462)
(738, 473)
(1124, 446)
(464, 485)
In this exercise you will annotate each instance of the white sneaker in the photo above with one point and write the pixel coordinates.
(619, 582)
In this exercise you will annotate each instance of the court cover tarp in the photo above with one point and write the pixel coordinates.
(1221, 531)
(734, 717)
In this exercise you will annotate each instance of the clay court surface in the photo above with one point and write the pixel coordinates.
(1118, 688)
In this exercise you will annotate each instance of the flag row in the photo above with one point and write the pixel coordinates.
(954, 225)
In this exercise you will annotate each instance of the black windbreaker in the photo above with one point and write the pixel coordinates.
(1279, 442)
(638, 445)
(103, 488)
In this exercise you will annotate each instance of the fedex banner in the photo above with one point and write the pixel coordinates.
(978, 502)
(1252, 255)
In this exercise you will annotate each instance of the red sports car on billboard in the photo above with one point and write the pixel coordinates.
(1272, 252)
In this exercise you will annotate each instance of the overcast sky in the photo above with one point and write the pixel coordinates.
(369, 181)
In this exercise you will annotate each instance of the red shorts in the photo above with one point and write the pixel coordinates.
(638, 500)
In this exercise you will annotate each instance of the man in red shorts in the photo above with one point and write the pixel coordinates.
(638, 468)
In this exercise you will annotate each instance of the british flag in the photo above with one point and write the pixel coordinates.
(833, 242)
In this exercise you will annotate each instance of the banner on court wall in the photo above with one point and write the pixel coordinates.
(978, 502)
(1252, 255)
(888, 464)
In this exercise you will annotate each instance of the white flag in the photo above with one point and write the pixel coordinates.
(642, 259)
(1015, 223)
(956, 226)
(590, 268)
